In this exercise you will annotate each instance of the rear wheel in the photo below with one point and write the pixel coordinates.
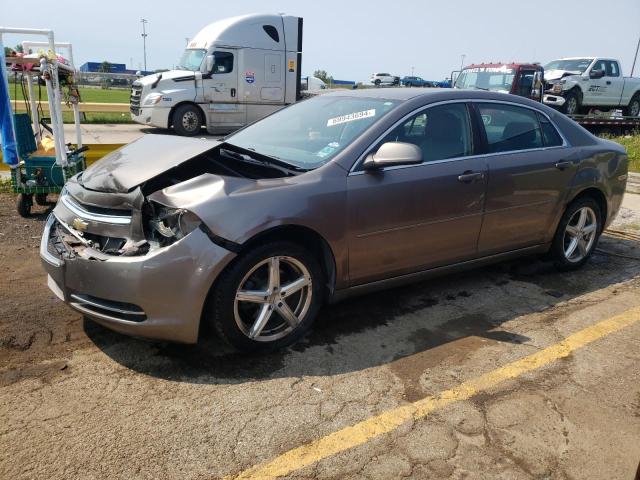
(187, 120)
(577, 234)
(268, 298)
(24, 204)
(633, 109)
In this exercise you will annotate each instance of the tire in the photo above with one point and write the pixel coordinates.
(24, 204)
(571, 105)
(41, 199)
(377, 82)
(187, 120)
(565, 254)
(633, 109)
(237, 321)
(408, 85)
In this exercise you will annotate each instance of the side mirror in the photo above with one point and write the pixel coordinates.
(596, 74)
(209, 61)
(392, 154)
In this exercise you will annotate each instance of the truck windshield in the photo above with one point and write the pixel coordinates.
(495, 79)
(191, 59)
(577, 65)
(308, 134)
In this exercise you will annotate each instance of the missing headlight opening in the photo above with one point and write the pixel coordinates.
(166, 225)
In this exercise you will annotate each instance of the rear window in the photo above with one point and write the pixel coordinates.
(510, 128)
(550, 135)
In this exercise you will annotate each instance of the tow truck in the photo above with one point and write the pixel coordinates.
(528, 80)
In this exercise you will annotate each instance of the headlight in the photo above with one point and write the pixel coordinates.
(152, 99)
(557, 88)
(171, 224)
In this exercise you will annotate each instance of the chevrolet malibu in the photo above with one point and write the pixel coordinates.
(341, 194)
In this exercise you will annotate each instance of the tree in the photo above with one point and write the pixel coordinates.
(105, 67)
(323, 75)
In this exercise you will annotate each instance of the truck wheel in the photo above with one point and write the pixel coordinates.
(571, 104)
(24, 204)
(633, 109)
(41, 199)
(187, 120)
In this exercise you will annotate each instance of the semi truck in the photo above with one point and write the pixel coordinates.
(233, 72)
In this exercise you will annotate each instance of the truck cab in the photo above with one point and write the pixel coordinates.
(233, 72)
(522, 79)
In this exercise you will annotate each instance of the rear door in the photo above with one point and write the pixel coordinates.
(409, 218)
(530, 169)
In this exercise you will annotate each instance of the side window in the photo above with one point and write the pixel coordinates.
(612, 69)
(510, 128)
(441, 132)
(525, 83)
(600, 65)
(272, 32)
(223, 62)
(550, 135)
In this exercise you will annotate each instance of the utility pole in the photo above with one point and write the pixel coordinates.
(635, 57)
(462, 57)
(412, 69)
(144, 42)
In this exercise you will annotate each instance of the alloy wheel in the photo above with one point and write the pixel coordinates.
(273, 298)
(580, 234)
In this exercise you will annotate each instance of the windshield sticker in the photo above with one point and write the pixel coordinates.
(351, 117)
(328, 150)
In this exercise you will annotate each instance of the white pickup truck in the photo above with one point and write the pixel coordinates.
(575, 85)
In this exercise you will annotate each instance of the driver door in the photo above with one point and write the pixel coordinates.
(405, 219)
(221, 91)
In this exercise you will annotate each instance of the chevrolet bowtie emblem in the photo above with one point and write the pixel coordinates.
(80, 225)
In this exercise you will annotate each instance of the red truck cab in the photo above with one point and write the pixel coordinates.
(522, 79)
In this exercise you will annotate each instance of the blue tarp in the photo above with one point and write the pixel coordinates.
(9, 147)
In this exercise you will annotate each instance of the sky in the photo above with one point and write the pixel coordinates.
(351, 39)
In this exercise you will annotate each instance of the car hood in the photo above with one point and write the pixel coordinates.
(124, 169)
(550, 75)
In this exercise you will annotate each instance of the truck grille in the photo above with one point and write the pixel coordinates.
(134, 100)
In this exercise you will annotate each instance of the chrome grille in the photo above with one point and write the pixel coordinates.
(134, 100)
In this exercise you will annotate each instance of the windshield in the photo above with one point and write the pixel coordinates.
(578, 65)
(310, 133)
(191, 59)
(495, 79)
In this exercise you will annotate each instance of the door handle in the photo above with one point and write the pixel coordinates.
(233, 92)
(563, 165)
(468, 176)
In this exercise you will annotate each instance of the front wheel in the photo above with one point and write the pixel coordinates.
(571, 104)
(268, 298)
(633, 109)
(377, 82)
(187, 120)
(24, 204)
(577, 234)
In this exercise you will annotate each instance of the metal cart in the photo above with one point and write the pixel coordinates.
(36, 173)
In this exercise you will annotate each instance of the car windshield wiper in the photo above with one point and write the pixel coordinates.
(256, 161)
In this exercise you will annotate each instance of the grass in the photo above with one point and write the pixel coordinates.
(632, 144)
(87, 94)
(99, 117)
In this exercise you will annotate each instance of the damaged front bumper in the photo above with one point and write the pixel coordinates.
(553, 99)
(155, 294)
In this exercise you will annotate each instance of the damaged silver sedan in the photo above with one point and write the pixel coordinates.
(340, 194)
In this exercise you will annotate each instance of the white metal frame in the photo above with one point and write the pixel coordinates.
(53, 90)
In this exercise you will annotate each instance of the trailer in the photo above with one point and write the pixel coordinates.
(40, 159)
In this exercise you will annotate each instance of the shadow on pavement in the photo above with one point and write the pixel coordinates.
(382, 328)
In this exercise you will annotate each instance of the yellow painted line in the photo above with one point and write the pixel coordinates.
(386, 422)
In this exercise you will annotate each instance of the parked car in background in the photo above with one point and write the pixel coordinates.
(415, 82)
(522, 79)
(384, 79)
(343, 193)
(575, 85)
